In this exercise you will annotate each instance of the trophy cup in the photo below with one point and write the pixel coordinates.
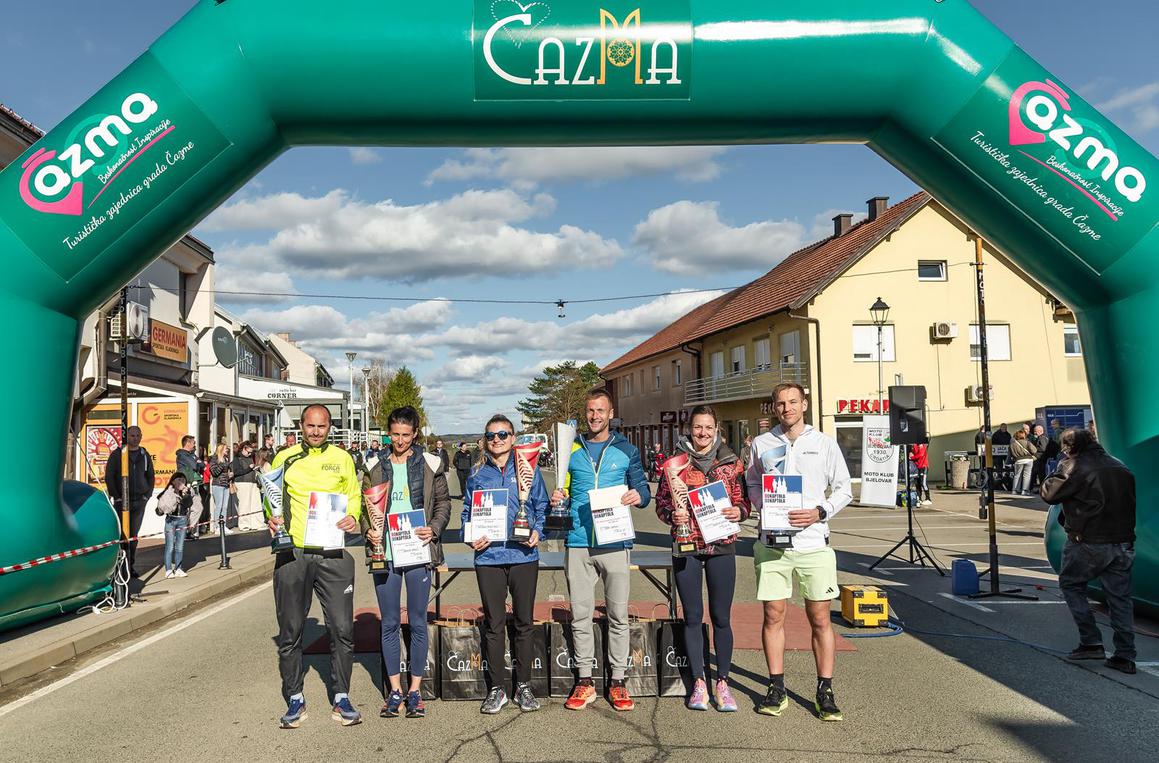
(271, 487)
(375, 499)
(682, 544)
(525, 457)
(559, 517)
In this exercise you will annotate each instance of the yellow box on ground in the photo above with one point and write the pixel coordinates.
(864, 606)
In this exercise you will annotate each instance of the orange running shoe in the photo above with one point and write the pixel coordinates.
(581, 696)
(620, 698)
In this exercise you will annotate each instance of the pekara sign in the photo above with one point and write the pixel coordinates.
(582, 50)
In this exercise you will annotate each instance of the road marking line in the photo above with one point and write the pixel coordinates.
(1149, 667)
(131, 649)
(946, 547)
(967, 602)
(882, 570)
(1027, 602)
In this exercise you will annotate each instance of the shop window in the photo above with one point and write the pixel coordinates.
(997, 341)
(1072, 346)
(865, 344)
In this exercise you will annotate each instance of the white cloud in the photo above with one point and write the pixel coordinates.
(528, 166)
(363, 155)
(689, 238)
(473, 233)
(467, 368)
(1136, 107)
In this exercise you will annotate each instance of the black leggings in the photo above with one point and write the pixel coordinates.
(494, 583)
(720, 569)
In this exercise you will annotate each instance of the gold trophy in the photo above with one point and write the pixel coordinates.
(375, 499)
(526, 455)
(682, 544)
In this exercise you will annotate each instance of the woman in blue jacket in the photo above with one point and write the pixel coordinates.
(511, 566)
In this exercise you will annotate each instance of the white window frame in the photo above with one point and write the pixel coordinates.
(762, 355)
(677, 374)
(994, 348)
(1068, 331)
(736, 359)
(626, 385)
(656, 379)
(865, 343)
(789, 340)
(943, 276)
(716, 364)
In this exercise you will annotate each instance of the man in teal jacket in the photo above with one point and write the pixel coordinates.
(599, 460)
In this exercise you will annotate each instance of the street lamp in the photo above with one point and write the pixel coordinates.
(366, 414)
(350, 356)
(880, 312)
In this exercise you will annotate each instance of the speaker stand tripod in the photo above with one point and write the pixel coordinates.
(918, 554)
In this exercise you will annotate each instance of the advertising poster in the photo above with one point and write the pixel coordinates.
(878, 463)
(162, 427)
(100, 441)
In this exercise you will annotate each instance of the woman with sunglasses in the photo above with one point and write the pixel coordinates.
(416, 482)
(507, 566)
(711, 461)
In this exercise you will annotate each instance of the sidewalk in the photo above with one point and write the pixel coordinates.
(34, 648)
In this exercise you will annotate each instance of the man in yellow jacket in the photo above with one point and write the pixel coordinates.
(315, 468)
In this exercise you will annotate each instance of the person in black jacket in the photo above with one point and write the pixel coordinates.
(140, 486)
(462, 468)
(194, 470)
(1097, 493)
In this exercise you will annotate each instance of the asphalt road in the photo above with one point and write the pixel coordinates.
(205, 687)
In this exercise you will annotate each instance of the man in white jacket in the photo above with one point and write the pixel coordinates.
(793, 448)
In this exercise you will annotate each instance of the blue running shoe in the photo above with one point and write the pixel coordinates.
(345, 713)
(415, 708)
(393, 703)
(295, 714)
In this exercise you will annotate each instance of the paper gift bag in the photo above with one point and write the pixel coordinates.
(642, 678)
(564, 672)
(540, 676)
(461, 673)
(673, 670)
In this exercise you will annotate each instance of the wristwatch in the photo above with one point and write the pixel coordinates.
(822, 515)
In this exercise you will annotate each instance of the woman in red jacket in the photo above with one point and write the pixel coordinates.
(919, 454)
(710, 461)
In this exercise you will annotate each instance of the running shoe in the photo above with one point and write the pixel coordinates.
(581, 696)
(525, 698)
(776, 701)
(169, 574)
(826, 707)
(394, 701)
(415, 707)
(699, 698)
(1087, 652)
(620, 698)
(345, 713)
(1121, 664)
(724, 699)
(180, 573)
(494, 702)
(295, 714)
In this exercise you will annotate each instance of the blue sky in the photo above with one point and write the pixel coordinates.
(533, 224)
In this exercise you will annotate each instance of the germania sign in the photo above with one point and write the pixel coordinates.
(582, 50)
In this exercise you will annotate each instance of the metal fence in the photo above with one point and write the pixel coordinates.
(758, 382)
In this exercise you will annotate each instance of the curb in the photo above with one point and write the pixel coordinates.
(75, 645)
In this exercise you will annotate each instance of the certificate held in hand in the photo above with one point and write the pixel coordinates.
(611, 520)
(406, 548)
(323, 514)
(706, 504)
(488, 516)
(781, 494)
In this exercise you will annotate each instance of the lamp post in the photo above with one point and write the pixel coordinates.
(880, 312)
(366, 413)
(350, 356)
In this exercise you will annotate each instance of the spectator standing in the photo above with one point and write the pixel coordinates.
(219, 487)
(1022, 450)
(140, 487)
(1042, 444)
(920, 456)
(746, 451)
(462, 468)
(444, 458)
(174, 504)
(1097, 493)
(1001, 439)
(245, 481)
(194, 470)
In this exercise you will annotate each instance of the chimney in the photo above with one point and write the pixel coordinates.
(877, 206)
(282, 335)
(842, 223)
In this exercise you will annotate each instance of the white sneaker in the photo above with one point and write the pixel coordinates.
(180, 573)
(926, 502)
(228, 531)
(168, 574)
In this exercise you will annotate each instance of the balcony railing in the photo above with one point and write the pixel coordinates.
(758, 382)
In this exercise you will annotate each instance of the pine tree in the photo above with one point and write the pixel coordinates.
(403, 389)
(557, 395)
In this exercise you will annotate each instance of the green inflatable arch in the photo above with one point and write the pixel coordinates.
(931, 86)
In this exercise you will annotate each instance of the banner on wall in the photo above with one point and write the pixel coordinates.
(100, 441)
(878, 463)
(162, 427)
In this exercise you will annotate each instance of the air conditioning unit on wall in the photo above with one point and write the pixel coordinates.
(974, 393)
(137, 324)
(943, 330)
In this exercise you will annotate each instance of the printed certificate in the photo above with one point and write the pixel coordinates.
(781, 494)
(323, 514)
(406, 548)
(488, 516)
(611, 519)
(706, 504)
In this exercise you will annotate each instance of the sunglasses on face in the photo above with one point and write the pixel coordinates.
(501, 435)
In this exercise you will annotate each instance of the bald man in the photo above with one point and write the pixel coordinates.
(140, 486)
